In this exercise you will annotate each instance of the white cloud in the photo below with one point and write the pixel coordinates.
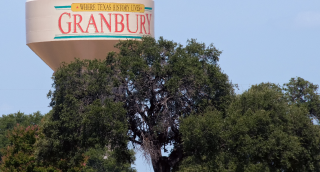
(309, 19)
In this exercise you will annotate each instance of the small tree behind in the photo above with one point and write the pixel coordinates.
(8, 122)
(19, 155)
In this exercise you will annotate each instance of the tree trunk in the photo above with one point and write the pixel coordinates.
(161, 165)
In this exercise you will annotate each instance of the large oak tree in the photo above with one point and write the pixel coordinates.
(154, 83)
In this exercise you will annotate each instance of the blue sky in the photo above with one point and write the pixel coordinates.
(262, 41)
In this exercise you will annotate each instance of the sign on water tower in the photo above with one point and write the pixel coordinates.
(61, 30)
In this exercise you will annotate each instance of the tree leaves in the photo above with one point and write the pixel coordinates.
(82, 115)
(139, 93)
(18, 156)
(7, 123)
(261, 131)
(303, 93)
(164, 82)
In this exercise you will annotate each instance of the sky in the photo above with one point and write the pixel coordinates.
(262, 41)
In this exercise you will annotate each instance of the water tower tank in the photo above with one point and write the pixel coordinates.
(61, 30)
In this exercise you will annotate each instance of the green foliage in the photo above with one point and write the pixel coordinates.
(260, 132)
(303, 93)
(7, 123)
(102, 160)
(164, 81)
(139, 93)
(82, 116)
(158, 93)
(18, 156)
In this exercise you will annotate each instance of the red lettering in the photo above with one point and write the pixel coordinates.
(104, 19)
(128, 24)
(142, 23)
(77, 24)
(121, 23)
(149, 22)
(92, 22)
(69, 23)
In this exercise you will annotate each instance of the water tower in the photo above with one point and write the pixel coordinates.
(61, 30)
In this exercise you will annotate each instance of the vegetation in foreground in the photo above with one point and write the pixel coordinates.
(155, 94)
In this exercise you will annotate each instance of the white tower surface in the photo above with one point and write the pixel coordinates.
(61, 30)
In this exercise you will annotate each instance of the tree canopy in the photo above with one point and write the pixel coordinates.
(160, 96)
(304, 93)
(163, 82)
(8, 122)
(19, 155)
(76, 125)
(261, 131)
(138, 94)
